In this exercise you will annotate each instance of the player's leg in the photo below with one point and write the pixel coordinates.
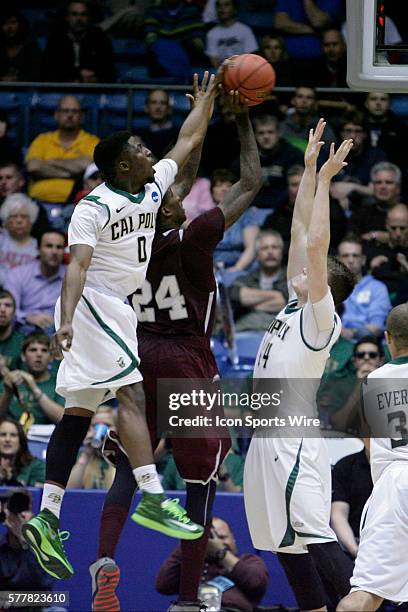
(305, 581)
(361, 601)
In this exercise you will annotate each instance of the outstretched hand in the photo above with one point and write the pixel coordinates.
(336, 162)
(209, 88)
(315, 144)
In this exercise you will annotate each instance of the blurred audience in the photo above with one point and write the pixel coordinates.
(261, 294)
(222, 129)
(77, 51)
(17, 465)
(37, 285)
(280, 219)
(9, 152)
(29, 395)
(11, 340)
(331, 68)
(273, 49)
(20, 56)
(55, 159)
(11, 179)
(161, 134)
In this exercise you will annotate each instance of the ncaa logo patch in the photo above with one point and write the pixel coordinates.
(155, 196)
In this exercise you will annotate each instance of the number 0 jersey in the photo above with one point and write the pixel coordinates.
(120, 227)
(179, 294)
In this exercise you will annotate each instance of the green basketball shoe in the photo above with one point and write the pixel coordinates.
(45, 540)
(167, 516)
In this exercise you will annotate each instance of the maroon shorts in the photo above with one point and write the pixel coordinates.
(197, 459)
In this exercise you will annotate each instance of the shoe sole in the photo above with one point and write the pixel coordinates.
(104, 599)
(50, 564)
(171, 532)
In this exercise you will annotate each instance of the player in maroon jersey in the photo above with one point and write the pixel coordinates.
(175, 309)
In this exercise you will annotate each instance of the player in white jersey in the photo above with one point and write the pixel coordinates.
(110, 239)
(380, 570)
(287, 484)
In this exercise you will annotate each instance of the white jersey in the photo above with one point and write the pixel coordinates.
(120, 227)
(385, 408)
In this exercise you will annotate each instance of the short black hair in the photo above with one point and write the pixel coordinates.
(107, 152)
(341, 280)
(369, 339)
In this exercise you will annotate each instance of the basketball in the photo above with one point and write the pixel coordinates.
(252, 75)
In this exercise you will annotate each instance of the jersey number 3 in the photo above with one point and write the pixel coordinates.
(168, 296)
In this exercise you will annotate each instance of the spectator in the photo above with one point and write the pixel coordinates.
(281, 219)
(11, 179)
(11, 340)
(277, 156)
(352, 486)
(297, 125)
(237, 248)
(229, 36)
(9, 153)
(77, 51)
(36, 393)
(366, 309)
(17, 247)
(37, 286)
(161, 134)
(91, 179)
(368, 218)
(222, 129)
(91, 470)
(199, 200)
(273, 49)
(331, 68)
(55, 159)
(260, 295)
(19, 570)
(175, 38)
(299, 21)
(20, 56)
(17, 465)
(385, 129)
(389, 262)
(247, 572)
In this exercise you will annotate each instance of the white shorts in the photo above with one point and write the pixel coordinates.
(103, 356)
(380, 566)
(287, 493)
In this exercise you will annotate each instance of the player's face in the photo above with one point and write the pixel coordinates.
(11, 181)
(293, 187)
(304, 101)
(397, 227)
(272, 50)
(270, 252)
(333, 46)
(367, 357)
(220, 190)
(267, 135)
(19, 223)
(9, 440)
(377, 104)
(351, 255)
(6, 311)
(157, 106)
(141, 161)
(386, 188)
(37, 357)
(173, 204)
(52, 249)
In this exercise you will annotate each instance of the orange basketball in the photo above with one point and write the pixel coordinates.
(252, 75)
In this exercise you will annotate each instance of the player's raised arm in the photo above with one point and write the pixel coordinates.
(318, 237)
(242, 193)
(297, 259)
(193, 130)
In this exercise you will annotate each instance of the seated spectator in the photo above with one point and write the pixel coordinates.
(247, 572)
(229, 36)
(18, 213)
(37, 285)
(19, 569)
(366, 309)
(260, 295)
(161, 134)
(277, 155)
(237, 248)
(11, 340)
(175, 38)
(222, 129)
(331, 67)
(273, 49)
(126, 19)
(369, 213)
(199, 200)
(352, 486)
(55, 159)
(29, 395)
(20, 55)
(17, 465)
(11, 179)
(9, 152)
(385, 129)
(91, 470)
(297, 125)
(300, 23)
(389, 262)
(78, 51)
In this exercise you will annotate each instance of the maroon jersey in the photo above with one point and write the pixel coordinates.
(179, 293)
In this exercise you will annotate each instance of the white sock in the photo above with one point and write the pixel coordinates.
(52, 498)
(147, 478)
